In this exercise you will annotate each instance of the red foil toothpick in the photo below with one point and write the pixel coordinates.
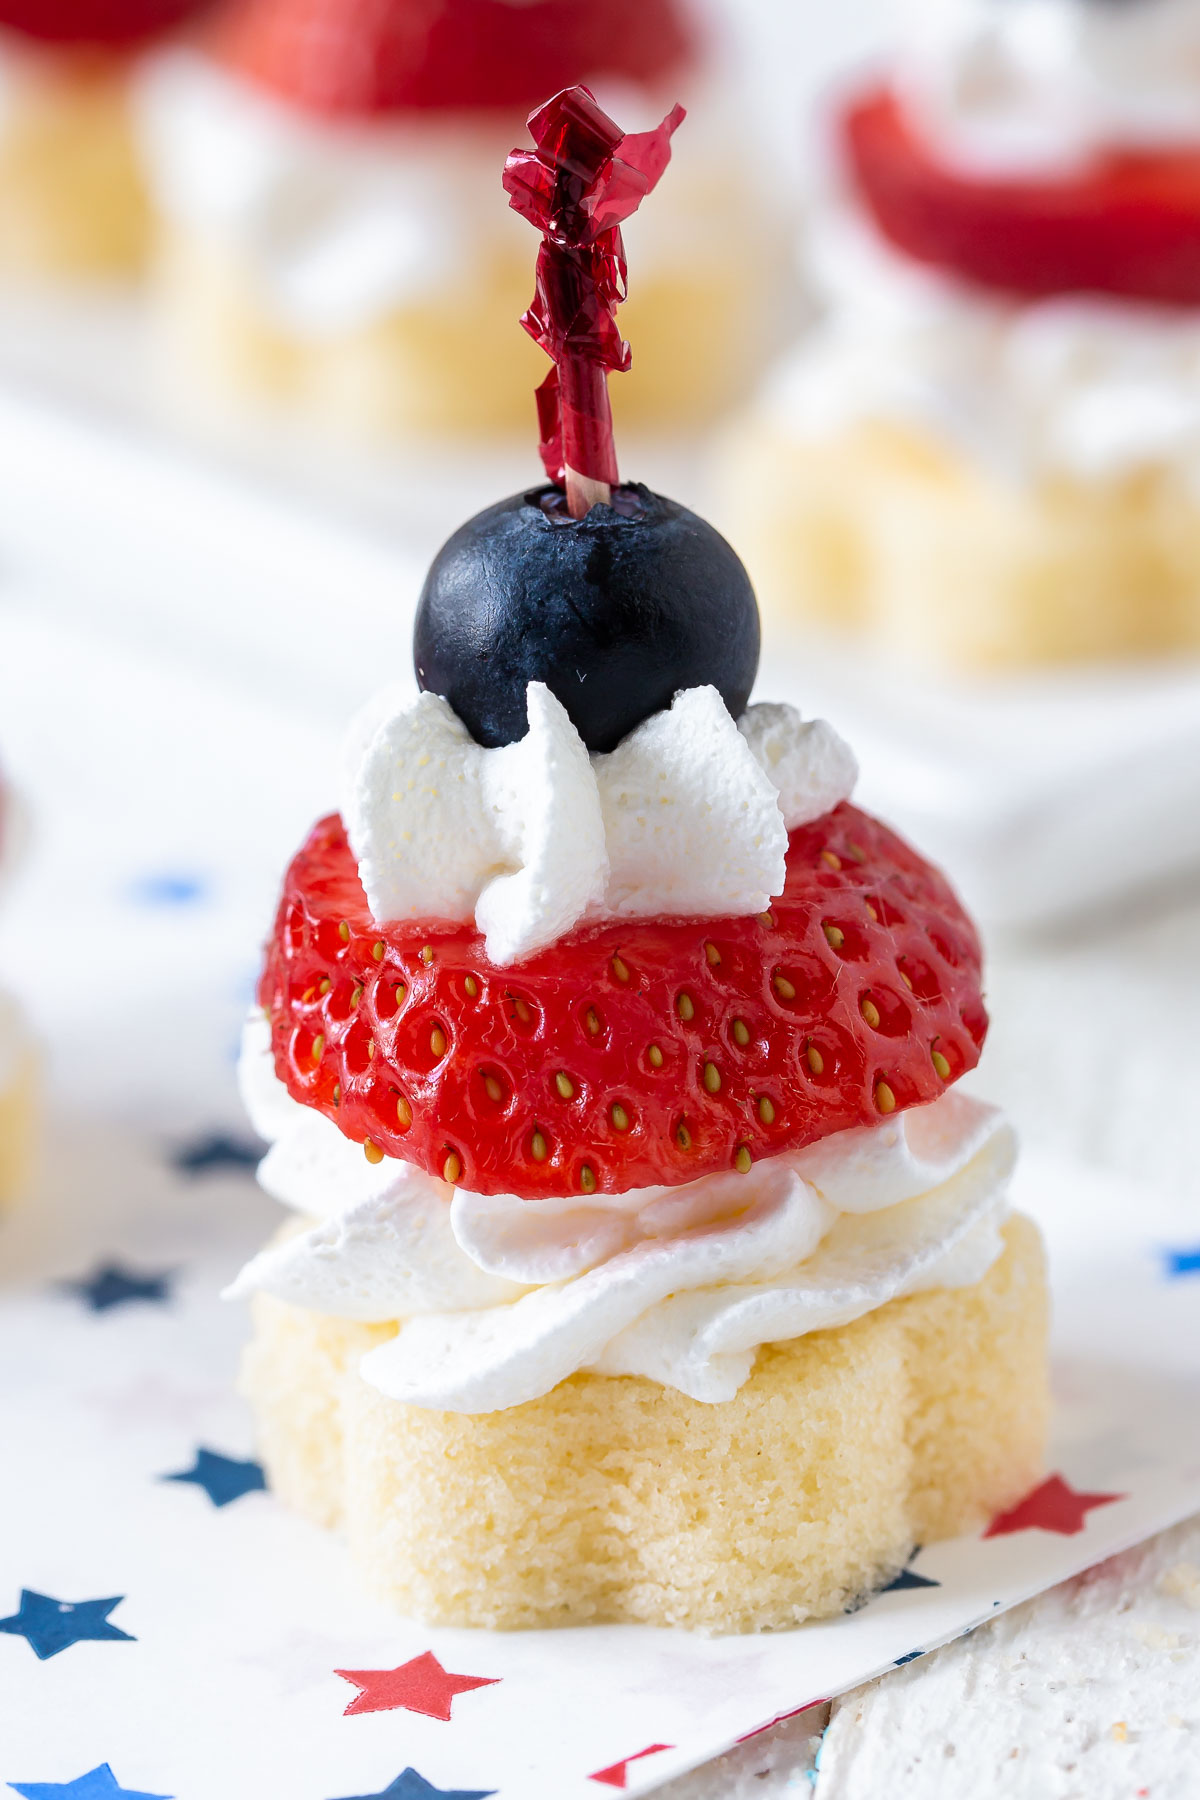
(583, 180)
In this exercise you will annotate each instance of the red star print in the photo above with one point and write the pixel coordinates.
(617, 1774)
(1055, 1506)
(420, 1686)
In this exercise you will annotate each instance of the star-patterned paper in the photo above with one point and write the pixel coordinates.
(130, 1465)
(213, 1643)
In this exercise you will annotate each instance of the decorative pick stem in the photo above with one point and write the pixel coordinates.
(577, 187)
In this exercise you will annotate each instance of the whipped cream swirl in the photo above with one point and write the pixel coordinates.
(1041, 87)
(688, 817)
(498, 1299)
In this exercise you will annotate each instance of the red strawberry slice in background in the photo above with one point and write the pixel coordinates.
(635, 1054)
(370, 57)
(99, 23)
(1129, 225)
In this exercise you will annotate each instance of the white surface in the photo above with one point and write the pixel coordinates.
(1090, 1690)
(1047, 797)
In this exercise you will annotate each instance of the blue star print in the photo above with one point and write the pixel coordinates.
(112, 1284)
(908, 1578)
(411, 1786)
(98, 1784)
(217, 1152)
(1181, 1262)
(168, 889)
(223, 1478)
(50, 1625)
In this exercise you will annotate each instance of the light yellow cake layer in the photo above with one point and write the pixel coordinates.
(885, 534)
(18, 1104)
(457, 363)
(72, 199)
(615, 1499)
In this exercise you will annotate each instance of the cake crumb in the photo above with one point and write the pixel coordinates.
(1155, 1638)
(1182, 1582)
(1120, 1732)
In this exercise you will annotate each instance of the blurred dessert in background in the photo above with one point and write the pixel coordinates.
(326, 174)
(72, 198)
(988, 451)
(17, 1077)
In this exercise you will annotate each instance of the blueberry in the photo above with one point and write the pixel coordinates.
(614, 612)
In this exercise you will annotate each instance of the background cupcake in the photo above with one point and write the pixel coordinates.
(72, 199)
(326, 174)
(987, 452)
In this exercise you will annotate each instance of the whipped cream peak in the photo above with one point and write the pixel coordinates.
(1041, 87)
(688, 817)
(497, 1299)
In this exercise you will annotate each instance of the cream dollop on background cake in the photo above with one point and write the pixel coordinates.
(501, 1298)
(1091, 389)
(688, 817)
(342, 224)
(339, 225)
(1040, 86)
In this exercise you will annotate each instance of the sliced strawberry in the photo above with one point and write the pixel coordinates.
(382, 56)
(632, 1054)
(109, 23)
(1130, 225)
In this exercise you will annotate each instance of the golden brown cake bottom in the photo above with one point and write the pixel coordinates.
(888, 536)
(456, 362)
(17, 1108)
(612, 1498)
(72, 199)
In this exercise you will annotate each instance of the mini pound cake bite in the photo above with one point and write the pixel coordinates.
(323, 170)
(17, 1066)
(646, 1261)
(73, 203)
(987, 453)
